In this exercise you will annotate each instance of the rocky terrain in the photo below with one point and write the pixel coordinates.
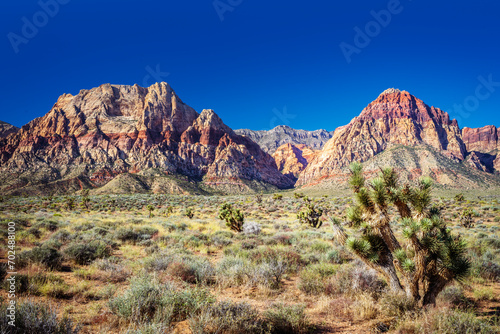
(292, 159)
(122, 139)
(271, 140)
(88, 139)
(398, 119)
(484, 146)
(6, 129)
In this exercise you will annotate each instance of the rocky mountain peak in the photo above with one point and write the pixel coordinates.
(114, 129)
(394, 118)
(6, 129)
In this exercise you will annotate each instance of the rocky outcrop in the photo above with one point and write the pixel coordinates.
(6, 129)
(395, 118)
(484, 140)
(270, 140)
(293, 159)
(114, 129)
(483, 145)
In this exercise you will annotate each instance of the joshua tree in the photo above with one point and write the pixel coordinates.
(150, 209)
(189, 213)
(311, 214)
(277, 197)
(234, 217)
(258, 198)
(430, 256)
(170, 210)
(459, 197)
(70, 203)
(466, 218)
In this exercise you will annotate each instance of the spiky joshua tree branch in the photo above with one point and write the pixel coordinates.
(428, 257)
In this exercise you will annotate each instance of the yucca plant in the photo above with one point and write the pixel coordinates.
(427, 259)
(234, 217)
(466, 218)
(310, 214)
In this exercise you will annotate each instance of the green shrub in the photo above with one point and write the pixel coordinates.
(48, 257)
(227, 317)
(396, 305)
(146, 300)
(86, 252)
(454, 322)
(32, 318)
(285, 319)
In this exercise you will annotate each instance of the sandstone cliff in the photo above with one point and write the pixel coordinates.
(114, 129)
(395, 119)
(6, 129)
(293, 159)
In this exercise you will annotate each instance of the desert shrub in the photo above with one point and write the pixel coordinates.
(150, 328)
(83, 227)
(353, 279)
(334, 256)
(98, 230)
(311, 282)
(52, 243)
(365, 307)
(455, 296)
(146, 300)
(396, 305)
(290, 258)
(227, 317)
(287, 319)
(233, 271)
(486, 269)
(32, 318)
(48, 257)
(158, 262)
(448, 321)
(125, 234)
(62, 236)
(269, 274)
(114, 272)
(34, 231)
(249, 244)
(183, 271)
(49, 225)
(252, 228)
(313, 278)
(86, 252)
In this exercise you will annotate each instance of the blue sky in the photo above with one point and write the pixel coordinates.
(256, 63)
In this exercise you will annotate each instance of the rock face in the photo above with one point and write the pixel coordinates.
(484, 147)
(482, 140)
(270, 140)
(293, 159)
(6, 129)
(113, 129)
(395, 118)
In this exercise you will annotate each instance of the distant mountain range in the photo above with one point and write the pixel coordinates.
(270, 140)
(120, 139)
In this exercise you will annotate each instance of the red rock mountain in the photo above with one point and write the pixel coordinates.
(292, 159)
(87, 139)
(6, 129)
(484, 146)
(395, 119)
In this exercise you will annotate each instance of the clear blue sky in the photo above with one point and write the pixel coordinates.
(261, 57)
